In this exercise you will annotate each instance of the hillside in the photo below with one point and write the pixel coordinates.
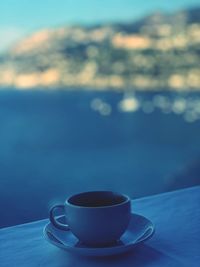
(160, 51)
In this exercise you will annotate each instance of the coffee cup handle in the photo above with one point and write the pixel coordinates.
(53, 219)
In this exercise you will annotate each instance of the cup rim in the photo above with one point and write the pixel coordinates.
(126, 200)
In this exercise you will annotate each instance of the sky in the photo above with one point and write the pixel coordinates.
(21, 17)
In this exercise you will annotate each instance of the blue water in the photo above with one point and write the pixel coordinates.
(53, 144)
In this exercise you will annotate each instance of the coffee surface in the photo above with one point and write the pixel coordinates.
(96, 199)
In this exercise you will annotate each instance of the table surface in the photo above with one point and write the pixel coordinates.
(176, 241)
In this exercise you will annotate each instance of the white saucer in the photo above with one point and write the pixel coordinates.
(139, 230)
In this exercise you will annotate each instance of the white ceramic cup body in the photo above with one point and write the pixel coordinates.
(96, 217)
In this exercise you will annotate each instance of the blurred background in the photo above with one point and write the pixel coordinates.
(96, 95)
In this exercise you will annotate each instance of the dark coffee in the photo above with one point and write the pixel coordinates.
(96, 199)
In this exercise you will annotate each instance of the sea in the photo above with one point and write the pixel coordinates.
(54, 143)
